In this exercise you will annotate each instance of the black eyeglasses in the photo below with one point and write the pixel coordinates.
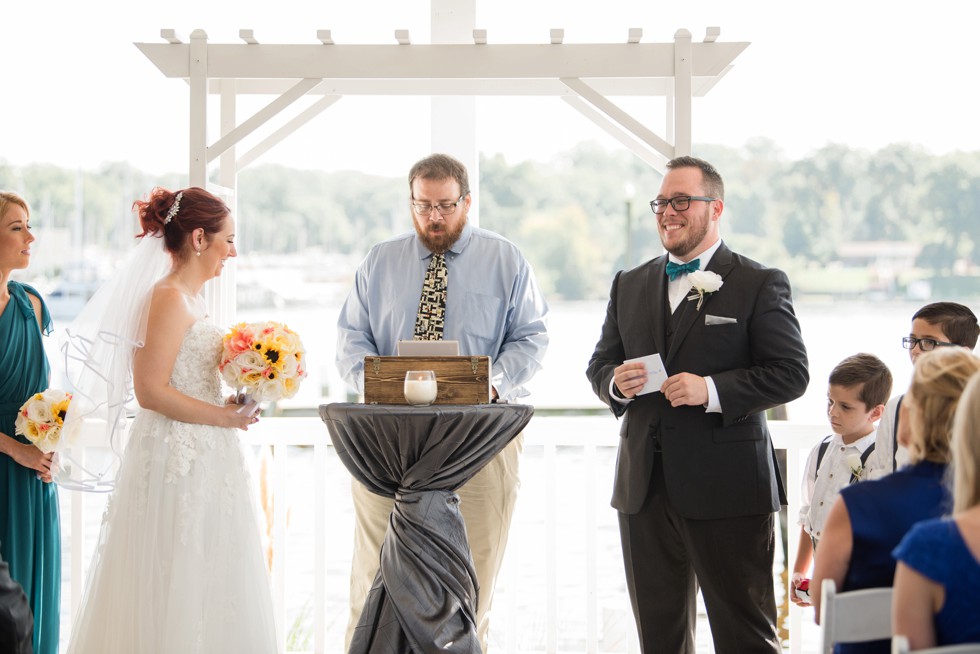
(444, 209)
(680, 203)
(925, 344)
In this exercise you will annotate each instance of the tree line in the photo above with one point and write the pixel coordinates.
(584, 214)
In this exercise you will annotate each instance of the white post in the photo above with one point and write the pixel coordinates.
(682, 93)
(198, 167)
(454, 118)
(220, 292)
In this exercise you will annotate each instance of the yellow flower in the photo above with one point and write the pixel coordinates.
(60, 409)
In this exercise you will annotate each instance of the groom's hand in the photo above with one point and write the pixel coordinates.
(630, 378)
(685, 389)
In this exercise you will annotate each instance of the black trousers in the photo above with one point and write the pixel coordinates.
(668, 557)
(16, 619)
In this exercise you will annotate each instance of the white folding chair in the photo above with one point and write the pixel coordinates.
(854, 616)
(900, 645)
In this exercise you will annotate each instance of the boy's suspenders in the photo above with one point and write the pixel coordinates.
(823, 450)
(895, 434)
(824, 444)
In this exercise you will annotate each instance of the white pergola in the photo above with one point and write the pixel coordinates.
(461, 64)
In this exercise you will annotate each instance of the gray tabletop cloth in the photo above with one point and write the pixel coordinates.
(424, 597)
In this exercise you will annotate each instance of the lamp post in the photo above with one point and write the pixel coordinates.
(629, 191)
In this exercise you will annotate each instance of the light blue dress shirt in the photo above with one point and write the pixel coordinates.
(493, 307)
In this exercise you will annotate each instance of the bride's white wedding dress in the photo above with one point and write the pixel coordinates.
(179, 566)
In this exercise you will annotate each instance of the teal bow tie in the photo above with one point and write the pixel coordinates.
(675, 270)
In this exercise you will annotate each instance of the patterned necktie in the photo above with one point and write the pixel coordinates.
(432, 305)
(675, 270)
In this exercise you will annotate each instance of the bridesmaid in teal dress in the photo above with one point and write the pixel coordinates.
(30, 532)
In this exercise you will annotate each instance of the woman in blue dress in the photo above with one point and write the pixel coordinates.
(869, 519)
(936, 600)
(30, 533)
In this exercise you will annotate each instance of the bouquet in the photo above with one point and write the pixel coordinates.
(265, 359)
(41, 418)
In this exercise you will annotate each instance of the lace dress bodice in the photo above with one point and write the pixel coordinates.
(195, 370)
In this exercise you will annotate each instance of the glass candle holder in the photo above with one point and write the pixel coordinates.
(420, 387)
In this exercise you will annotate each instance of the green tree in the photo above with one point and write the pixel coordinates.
(565, 260)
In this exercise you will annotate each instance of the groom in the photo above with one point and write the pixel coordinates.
(696, 484)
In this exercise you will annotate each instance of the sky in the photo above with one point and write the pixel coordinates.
(865, 73)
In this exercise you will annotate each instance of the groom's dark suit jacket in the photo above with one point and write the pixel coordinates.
(747, 339)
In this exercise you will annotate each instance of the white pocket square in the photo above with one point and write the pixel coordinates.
(718, 320)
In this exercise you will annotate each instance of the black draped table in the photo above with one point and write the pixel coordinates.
(424, 596)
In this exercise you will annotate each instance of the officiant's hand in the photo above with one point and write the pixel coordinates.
(630, 378)
(685, 389)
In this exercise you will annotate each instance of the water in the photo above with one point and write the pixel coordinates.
(831, 331)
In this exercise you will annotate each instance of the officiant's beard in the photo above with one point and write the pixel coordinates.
(439, 236)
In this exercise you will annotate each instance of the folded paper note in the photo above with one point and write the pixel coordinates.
(656, 375)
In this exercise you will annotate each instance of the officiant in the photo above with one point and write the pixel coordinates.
(696, 483)
(449, 280)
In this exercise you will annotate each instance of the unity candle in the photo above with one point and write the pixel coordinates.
(420, 387)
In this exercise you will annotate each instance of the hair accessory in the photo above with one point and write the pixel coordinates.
(174, 208)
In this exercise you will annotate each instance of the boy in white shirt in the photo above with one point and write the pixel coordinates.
(940, 324)
(859, 386)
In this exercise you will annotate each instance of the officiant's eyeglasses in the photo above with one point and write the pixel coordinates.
(444, 209)
(680, 203)
(925, 344)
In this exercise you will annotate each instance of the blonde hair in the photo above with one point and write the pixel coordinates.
(8, 198)
(937, 384)
(966, 448)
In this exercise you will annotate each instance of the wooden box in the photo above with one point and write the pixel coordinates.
(460, 380)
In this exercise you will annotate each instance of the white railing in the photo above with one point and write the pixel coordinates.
(562, 588)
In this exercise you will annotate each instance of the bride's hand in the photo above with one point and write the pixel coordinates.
(232, 418)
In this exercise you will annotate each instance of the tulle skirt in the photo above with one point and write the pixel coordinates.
(179, 566)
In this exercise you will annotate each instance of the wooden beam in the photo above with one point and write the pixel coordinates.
(170, 36)
(608, 108)
(261, 117)
(629, 87)
(443, 61)
(197, 72)
(286, 130)
(653, 157)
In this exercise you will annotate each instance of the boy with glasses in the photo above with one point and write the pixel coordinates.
(940, 324)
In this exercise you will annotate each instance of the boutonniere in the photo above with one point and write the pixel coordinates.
(854, 463)
(703, 282)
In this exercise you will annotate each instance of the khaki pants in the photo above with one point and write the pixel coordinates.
(487, 504)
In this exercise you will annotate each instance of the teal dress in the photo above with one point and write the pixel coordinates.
(30, 530)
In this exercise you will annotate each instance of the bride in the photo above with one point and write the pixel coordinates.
(179, 566)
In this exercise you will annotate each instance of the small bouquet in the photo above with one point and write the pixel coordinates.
(265, 359)
(41, 418)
